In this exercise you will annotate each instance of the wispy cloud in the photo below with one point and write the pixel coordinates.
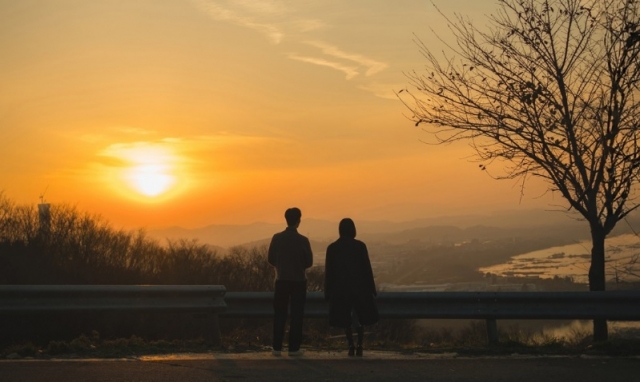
(103, 134)
(368, 65)
(372, 66)
(139, 152)
(273, 18)
(274, 7)
(227, 13)
(308, 25)
(382, 90)
(350, 71)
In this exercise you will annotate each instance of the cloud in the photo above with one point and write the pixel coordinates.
(372, 66)
(273, 19)
(93, 135)
(268, 17)
(182, 149)
(350, 71)
(163, 150)
(382, 90)
(222, 13)
(273, 7)
(308, 25)
(369, 65)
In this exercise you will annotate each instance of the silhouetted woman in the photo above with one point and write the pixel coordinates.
(349, 286)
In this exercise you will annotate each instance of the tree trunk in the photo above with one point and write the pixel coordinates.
(597, 279)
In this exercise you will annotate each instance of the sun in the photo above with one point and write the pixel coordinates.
(151, 179)
(147, 170)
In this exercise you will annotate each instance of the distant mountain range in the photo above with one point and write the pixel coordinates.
(499, 224)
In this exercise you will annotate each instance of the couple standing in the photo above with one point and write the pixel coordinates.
(349, 286)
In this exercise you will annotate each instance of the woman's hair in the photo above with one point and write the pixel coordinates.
(347, 228)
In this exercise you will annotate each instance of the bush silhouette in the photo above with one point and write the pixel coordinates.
(77, 248)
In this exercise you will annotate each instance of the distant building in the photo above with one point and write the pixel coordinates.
(44, 218)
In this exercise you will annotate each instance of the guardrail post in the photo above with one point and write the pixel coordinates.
(213, 330)
(208, 325)
(492, 331)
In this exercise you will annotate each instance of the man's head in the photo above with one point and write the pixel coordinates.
(293, 216)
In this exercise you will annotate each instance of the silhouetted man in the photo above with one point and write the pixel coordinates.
(290, 253)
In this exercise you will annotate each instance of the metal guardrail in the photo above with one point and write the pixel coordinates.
(490, 306)
(213, 300)
(206, 301)
(63, 298)
(619, 306)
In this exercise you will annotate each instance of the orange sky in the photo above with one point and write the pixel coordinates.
(159, 113)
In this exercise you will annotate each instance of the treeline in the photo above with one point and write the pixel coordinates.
(74, 247)
(67, 246)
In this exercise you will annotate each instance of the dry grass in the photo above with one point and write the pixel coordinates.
(405, 336)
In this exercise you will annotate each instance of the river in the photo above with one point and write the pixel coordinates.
(622, 256)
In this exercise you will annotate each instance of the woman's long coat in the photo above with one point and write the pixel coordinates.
(349, 283)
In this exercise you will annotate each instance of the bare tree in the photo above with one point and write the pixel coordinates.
(549, 89)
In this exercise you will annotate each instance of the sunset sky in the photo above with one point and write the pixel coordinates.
(158, 113)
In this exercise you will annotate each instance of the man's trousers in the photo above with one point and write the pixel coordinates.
(293, 295)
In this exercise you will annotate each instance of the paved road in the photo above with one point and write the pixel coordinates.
(375, 366)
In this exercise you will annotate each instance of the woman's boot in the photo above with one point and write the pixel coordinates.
(349, 333)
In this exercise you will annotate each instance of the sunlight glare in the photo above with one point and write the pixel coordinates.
(151, 180)
(149, 169)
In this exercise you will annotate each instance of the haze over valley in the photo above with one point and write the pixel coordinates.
(447, 252)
